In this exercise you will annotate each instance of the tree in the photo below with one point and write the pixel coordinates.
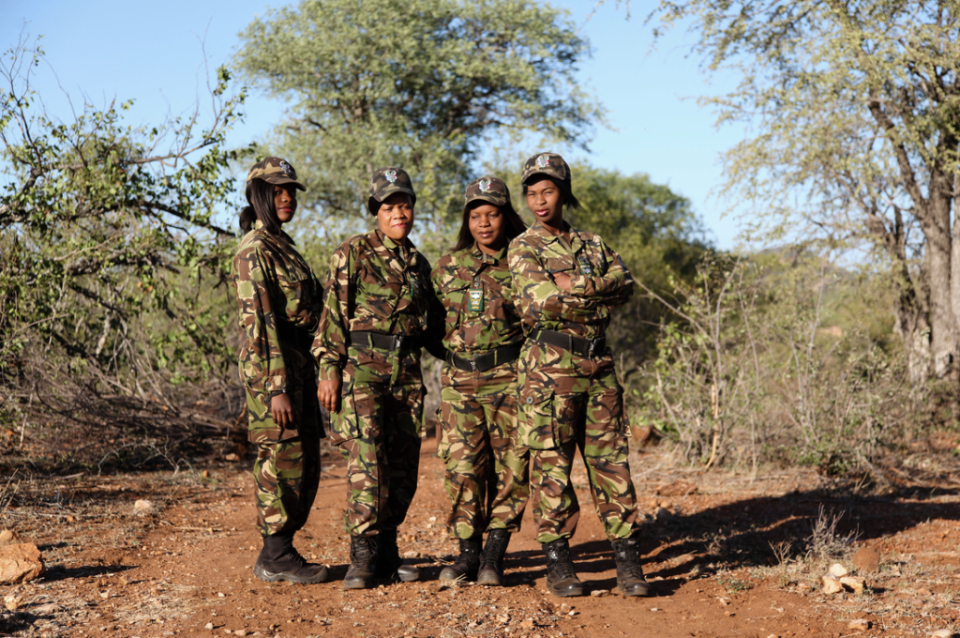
(856, 108)
(421, 84)
(109, 250)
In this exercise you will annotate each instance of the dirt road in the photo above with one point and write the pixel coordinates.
(728, 555)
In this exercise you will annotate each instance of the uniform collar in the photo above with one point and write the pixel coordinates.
(484, 257)
(539, 229)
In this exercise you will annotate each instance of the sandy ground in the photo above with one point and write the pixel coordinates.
(729, 555)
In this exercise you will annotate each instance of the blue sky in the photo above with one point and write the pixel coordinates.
(154, 52)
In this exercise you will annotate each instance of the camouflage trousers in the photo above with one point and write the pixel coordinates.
(287, 471)
(569, 402)
(486, 473)
(378, 430)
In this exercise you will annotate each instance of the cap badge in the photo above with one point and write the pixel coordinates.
(390, 176)
(543, 161)
(286, 168)
(484, 186)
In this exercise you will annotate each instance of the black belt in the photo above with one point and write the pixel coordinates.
(587, 348)
(383, 342)
(483, 362)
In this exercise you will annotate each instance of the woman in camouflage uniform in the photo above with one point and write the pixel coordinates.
(566, 283)
(375, 320)
(280, 308)
(486, 475)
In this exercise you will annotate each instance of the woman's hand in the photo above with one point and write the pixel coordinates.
(328, 393)
(562, 280)
(282, 410)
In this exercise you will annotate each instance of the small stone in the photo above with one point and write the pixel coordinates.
(564, 607)
(866, 559)
(859, 625)
(240, 632)
(730, 613)
(573, 612)
(528, 624)
(104, 594)
(220, 594)
(854, 583)
(143, 506)
(411, 554)
(923, 591)
(723, 602)
(838, 570)
(11, 602)
(654, 609)
(20, 563)
(206, 474)
(232, 457)
(830, 584)
(9, 537)
(209, 625)
(70, 519)
(599, 592)
(945, 633)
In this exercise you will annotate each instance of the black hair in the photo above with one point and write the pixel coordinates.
(260, 206)
(514, 225)
(567, 198)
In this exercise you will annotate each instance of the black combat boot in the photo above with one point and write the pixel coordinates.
(491, 572)
(278, 560)
(630, 578)
(561, 578)
(467, 563)
(363, 563)
(389, 563)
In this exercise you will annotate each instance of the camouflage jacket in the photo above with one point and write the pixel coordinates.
(599, 281)
(374, 285)
(487, 321)
(280, 306)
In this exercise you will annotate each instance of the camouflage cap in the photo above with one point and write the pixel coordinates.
(387, 181)
(549, 164)
(489, 189)
(274, 170)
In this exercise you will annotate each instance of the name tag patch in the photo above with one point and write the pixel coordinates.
(475, 300)
(586, 266)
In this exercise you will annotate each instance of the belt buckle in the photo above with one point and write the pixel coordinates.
(473, 363)
(398, 341)
(593, 347)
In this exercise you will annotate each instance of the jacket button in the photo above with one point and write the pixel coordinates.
(529, 400)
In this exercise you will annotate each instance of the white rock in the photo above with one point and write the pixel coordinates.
(11, 602)
(233, 458)
(854, 583)
(143, 506)
(830, 584)
(599, 592)
(859, 625)
(209, 625)
(838, 570)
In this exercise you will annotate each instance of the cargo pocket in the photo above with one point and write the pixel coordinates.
(345, 424)
(448, 399)
(536, 418)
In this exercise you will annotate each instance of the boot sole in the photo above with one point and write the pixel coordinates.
(571, 593)
(359, 584)
(640, 593)
(490, 579)
(270, 577)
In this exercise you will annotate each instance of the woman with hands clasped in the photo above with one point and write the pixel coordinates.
(486, 471)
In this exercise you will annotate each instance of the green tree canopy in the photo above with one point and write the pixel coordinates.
(108, 247)
(855, 108)
(421, 84)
